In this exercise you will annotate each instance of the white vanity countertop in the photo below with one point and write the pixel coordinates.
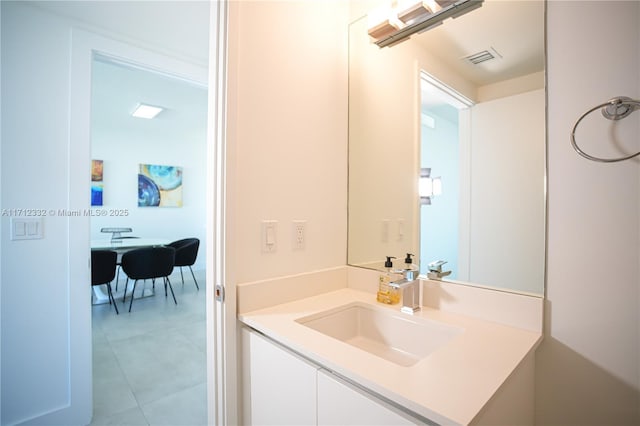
(451, 385)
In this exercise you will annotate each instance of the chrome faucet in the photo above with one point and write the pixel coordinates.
(409, 285)
(435, 270)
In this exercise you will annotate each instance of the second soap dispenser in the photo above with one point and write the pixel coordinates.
(387, 294)
(410, 267)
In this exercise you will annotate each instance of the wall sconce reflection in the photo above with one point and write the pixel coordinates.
(398, 20)
(428, 187)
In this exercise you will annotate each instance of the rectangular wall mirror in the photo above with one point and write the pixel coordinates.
(447, 146)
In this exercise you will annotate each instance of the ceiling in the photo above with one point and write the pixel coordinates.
(117, 90)
(514, 28)
(177, 28)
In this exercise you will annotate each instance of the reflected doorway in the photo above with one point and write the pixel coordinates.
(443, 150)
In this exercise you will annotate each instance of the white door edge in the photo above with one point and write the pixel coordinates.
(222, 389)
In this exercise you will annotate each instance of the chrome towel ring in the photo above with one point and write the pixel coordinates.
(614, 109)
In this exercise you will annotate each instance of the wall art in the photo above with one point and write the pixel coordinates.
(97, 184)
(159, 186)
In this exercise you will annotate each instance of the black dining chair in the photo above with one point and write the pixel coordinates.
(186, 253)
(103, 271)
(148, 263)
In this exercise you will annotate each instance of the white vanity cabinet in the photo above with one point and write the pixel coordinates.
(342, 404)
(282, 388)
(484, 375)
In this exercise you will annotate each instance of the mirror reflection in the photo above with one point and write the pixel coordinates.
(447, 147)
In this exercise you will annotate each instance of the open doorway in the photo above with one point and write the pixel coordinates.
(443, 150)
(62, 37)
(149, 365)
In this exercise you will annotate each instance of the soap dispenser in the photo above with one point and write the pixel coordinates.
(409, 266)
(386, 294)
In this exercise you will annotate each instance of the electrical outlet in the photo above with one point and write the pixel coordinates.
(299, 234)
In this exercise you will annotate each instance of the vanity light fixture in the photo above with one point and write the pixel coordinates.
(146, 111)
(410, 11)
(428, 187)
(392, 25)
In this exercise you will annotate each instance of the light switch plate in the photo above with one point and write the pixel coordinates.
(400, 229)
(384, 231)
(26, 228)
(269, 233)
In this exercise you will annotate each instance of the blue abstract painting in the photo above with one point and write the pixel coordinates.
(159, 186)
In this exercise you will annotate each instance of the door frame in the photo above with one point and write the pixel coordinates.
(222, 360)
(221, 403)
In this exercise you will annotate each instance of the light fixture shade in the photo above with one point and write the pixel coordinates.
(383, 22)
(428, 187)
(425, 187)
(410, 11)
(146, 111)
(436, 185)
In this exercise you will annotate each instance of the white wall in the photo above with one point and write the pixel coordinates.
(35, 160)
(588, 365)
(287, 134)
(507, 218)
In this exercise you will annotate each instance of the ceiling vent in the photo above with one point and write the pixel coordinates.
(482, 56)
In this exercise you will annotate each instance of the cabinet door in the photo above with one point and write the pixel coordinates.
(282, 386)
(340, 403)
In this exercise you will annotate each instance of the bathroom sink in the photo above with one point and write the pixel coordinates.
(396, 337)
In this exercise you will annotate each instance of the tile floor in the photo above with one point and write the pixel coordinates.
(149, 366)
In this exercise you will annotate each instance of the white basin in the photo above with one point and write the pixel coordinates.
(396, 337)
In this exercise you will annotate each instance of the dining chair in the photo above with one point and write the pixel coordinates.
(103, 271)
(186, 253)
(148, 263)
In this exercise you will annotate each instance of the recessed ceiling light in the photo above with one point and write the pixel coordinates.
(146, 111)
